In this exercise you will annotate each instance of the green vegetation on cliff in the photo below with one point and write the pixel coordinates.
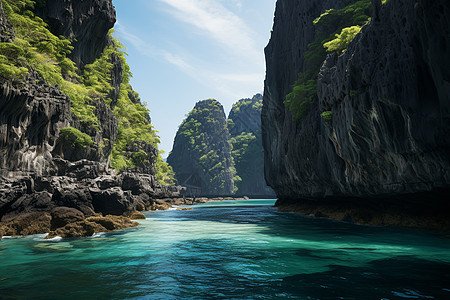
(75, 137)
(36, 48)
(244, 125)
(245, 148)
(335, 29)
(201, 150)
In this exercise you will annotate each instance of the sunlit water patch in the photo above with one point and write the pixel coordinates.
(230, 250)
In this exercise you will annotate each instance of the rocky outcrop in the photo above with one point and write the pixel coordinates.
(83, 197)
(30, 118)
(201, 155)
(86, 22)
(32, 112)
(388, 95)
(244, 125)
(245, 116)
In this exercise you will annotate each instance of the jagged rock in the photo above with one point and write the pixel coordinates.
(26, 224)
(91, 225)
(137, 184)
(135, 215)
(112, 201)
(85, 22)
(61, 216)
(36, 202)
(201, 155)
(42, 175)
(389, 98)
(75, 197)
(245, 116)
(30, 118)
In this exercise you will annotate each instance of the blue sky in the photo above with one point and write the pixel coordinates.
(184, 51)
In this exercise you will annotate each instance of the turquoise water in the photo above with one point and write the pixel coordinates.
(230, 250)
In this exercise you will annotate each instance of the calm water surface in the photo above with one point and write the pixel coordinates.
(231, 250)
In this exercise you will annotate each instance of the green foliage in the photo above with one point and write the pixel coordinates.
(353, 93)
(327, 115)
(139, 158)
(35, 47)
(240, 145)
(334, 31)
(165, 174)
(75, 137)
(340, 43)
(245, 147)
(195, 133)
(334, 20)
(303, 93)
(242, 103)
(257, 105)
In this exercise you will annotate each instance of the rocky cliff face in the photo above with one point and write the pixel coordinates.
(85, 21)
(388, 95)
(201, 155)
(32, 111)
(30, 117)
(244, 125)
(63, 118)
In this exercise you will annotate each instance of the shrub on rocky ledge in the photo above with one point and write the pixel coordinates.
(75, 137)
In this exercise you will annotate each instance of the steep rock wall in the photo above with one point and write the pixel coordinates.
(244, 125)
(30, 117)
(389, 98)
(84, 21)
(201, 154)
(32, 111)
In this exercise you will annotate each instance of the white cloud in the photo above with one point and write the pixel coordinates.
(219, 23)
(178, 61)
(224, 27)
(138, 43)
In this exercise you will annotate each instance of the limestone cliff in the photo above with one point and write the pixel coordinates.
(201, 155)
(67, 115)
(244, 125)
(85, 22)
(84, 84)
(386, 129)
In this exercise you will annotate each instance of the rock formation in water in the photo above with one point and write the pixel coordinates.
(67, 113)
(201, 155)
(374, 121)
(244, 125)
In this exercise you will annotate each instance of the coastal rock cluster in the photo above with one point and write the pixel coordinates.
(82, 199)
(387, 100)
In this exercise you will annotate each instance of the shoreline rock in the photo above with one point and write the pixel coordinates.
(84, 198)
(402, 211)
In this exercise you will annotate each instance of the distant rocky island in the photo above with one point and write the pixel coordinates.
(214, 156)
(355, 117)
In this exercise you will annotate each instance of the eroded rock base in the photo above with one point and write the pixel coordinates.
(422, 210)
(84, 198)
